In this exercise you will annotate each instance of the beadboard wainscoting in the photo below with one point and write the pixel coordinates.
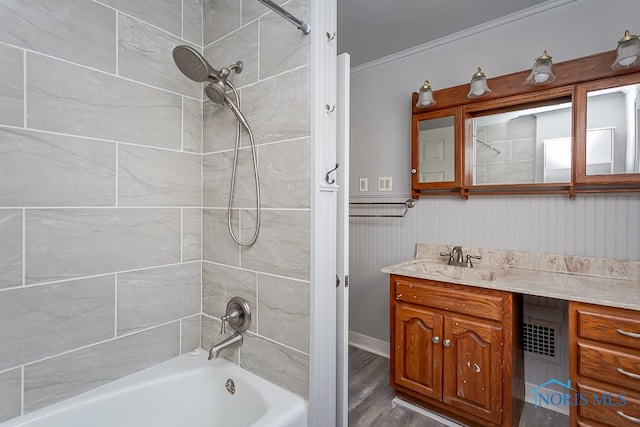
(604, 226)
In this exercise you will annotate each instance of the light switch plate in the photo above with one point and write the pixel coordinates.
(364, 184)
(385, 183)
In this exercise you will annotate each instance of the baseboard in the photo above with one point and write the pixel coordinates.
(529, 397)
(370, 344)
(432, 415)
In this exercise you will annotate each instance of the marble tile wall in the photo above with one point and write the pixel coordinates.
(273, 274)
(100, 194)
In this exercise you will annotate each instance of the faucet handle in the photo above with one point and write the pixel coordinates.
(223, 329)
(469, 259)
(449, 254)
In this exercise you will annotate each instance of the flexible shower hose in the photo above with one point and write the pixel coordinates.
(233, 177)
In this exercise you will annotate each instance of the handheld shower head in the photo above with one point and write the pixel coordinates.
(216, 92)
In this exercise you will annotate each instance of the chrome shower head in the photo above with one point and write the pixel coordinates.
(193, 65)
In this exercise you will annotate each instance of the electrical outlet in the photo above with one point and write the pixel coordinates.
(364, 184)
(384, 183)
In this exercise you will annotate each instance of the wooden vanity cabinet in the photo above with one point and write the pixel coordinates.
(604, 365)
(454, 350)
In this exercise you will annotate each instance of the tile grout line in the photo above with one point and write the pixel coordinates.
(117, 195)
(117, 44)
(24, 88)
(115, 306)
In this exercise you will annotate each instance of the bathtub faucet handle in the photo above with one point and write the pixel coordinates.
(237, 314)
(229, 316)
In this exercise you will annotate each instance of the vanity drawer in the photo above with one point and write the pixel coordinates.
(609, 365)
(478, 302)
(609, 325)
(615, 411)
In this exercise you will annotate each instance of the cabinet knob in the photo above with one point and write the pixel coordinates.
(446, 343)
(435, 340)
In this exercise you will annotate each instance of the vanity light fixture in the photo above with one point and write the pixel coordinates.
(628, 52)
(478, 85)
(542, 71)
(425, 96)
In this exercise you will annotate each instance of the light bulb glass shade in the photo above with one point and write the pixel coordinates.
(425, 96)
(542, 71)
(628, 52)
(478, 85)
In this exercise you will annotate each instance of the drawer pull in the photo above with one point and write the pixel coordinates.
(628, 374)
(628, 417)
(435, 340)
(628, 334)
(446, 343)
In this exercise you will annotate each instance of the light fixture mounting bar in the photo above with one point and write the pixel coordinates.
(300, 24)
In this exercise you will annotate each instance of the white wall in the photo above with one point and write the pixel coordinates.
(592, 225)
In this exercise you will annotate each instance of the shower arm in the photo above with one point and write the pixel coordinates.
(300, 24)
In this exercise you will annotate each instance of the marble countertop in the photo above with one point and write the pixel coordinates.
(603, 281)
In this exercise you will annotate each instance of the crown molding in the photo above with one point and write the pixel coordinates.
(513, 17)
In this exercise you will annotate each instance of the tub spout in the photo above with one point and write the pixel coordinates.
(234, 340)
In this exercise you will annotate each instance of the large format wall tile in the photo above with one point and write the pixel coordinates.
(10, 390)
(152, 177)
(67, 243)
(219, 127)
(278, 108)
(189, 333)
(217, 180)
(191, 234)
(71, 99)
(76, 30)
(284, 174)
(40, 321)
(283, 311)
(280, 365)
(217, 243)
(150, 297)
(192, 21)
(282, 46)
(65, 376)
(220, 284)
(11, 248)
(40, 169)
(192, 125)
(163, 14)
(220, 17)
(241, 45)
(145, 55)
(11, 86)
(254, 9)
(282, 247)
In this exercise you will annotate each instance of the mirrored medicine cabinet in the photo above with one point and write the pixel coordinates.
(579, 134)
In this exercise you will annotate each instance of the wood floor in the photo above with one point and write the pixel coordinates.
(370, 399)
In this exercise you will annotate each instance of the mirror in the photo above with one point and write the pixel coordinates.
(527, 145)
(436, 142)
(612, 130)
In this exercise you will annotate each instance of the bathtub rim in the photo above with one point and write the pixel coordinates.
(171, 369)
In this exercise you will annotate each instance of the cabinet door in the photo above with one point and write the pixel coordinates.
(418, 352)
(472, 370)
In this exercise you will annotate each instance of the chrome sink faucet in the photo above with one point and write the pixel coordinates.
(238, 315)
(456, 257)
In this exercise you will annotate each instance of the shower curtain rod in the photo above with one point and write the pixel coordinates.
(300, 24)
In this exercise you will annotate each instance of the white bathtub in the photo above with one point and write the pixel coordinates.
(185, 391)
